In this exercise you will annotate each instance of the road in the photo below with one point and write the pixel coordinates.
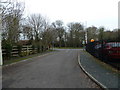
(59, 69)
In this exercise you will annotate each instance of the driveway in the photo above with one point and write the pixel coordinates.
(59, 69)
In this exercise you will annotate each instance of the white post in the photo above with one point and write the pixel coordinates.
(86, 32)
(1, 61)
(86, 36)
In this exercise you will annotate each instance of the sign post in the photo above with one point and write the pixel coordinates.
(83, 42)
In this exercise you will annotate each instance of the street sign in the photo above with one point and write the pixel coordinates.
(83, 42)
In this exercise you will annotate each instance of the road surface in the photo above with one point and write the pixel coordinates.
(59, 69)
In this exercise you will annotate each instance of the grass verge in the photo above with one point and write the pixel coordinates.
(17, 59)
(69, 47)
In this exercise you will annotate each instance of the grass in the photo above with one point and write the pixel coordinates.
(17, 59)
(69, 47)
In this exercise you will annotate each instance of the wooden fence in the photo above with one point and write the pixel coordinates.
(25, 50)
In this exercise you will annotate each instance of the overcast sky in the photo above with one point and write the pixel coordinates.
(95, 12)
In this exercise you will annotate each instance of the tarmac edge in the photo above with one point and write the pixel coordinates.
(24, 60)
(90, 76)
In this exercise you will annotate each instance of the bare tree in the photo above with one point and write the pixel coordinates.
(36, 22)
(41, 31)
(11, 21)
(27, 32)
(48, 37)
(58, 25)
(76, 34)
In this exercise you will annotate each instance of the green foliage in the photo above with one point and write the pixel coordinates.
(92, 33)
(38, 48)
(75, 34)
(19, 49)
(101, 33)
(8, 48)
(25, 53)
(108, 35)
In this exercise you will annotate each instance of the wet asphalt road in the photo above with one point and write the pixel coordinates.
(59, 69)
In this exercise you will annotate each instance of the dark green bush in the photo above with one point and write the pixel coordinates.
(8, 48)
(19, 49)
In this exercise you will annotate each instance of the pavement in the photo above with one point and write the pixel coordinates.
(59, 69)
(103, 74)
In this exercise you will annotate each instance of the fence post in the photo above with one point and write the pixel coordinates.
(27, 50)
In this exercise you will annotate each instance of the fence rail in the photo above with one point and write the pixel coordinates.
(22, 51)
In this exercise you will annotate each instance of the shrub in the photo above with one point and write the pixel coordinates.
(8, 48)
